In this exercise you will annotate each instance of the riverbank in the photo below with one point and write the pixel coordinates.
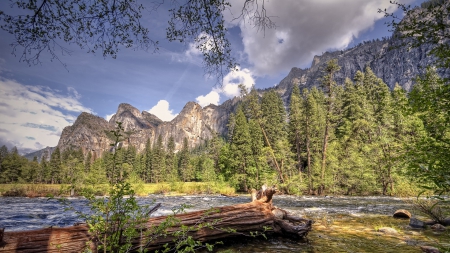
(342, 224)
(175, 188)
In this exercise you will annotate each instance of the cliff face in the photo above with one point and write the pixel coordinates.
(89, 132)
(197, 124)
(388, 59)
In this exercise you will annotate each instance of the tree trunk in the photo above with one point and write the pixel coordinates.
(258, 216)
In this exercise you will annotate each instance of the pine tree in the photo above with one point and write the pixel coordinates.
(240, 150)
(296, 136)
(430, 101)
(147, 175)
(12, 165)
(328, 85)
(158, 161)
(313, 123)
(272, 120)
(171, 163)
(3, 154)
(183, 163)
(55, 166)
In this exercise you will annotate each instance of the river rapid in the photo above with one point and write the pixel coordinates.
(342, 224)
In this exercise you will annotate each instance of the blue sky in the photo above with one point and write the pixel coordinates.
(37, 102)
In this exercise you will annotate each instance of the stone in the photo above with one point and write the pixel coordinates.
(446, 222)
(388, 231)
(415, 223)
(402, 214)
(438, 227)
(429, 249)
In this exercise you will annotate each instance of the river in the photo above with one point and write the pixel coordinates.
(342, 224)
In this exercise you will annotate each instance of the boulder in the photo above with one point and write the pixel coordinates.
(429, 249)
(415, 223)
(438, 227)
(402, 214)
(446, 222)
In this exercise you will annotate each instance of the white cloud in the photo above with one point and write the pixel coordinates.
(232, 80)
(33, 117)
(109, 116)
(162, 111)
(230, 87)
(211, 98)
(304, 29)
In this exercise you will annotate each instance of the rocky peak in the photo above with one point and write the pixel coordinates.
(131, 118)
(88, 132)
(152, 119)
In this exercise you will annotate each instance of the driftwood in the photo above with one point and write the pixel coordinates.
(256, 217)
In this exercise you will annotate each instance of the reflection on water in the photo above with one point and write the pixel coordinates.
(343, 224)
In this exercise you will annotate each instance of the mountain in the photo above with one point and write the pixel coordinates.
(40, 154)
(93, 133)
(388, 58)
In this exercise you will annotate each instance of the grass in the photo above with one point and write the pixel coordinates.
(176, 188)
(30, 190)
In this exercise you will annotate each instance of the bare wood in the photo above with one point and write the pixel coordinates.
(243, 219)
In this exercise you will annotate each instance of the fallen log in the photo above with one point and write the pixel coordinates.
(250, 219)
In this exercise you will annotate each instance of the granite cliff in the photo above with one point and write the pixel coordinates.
(92, 133)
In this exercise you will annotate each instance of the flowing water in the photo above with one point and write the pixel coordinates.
(342, 224)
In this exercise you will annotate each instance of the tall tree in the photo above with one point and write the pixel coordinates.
(158, 161)
(183, 163)
(328, 84)
(146, 175)
(240, 150)
(296, 136)
(430, 100)
(3, 154)
(55, 166)
(313, 122)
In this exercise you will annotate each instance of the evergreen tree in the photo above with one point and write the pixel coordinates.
(240, 151)
(183, 163)
(158, 161)
(274, 116)
(146, 175)
(430, 101)
(313, 123)
(55, 166)
(3, 154)
(171, 163)
(328, 84)
(12, 165)
(296, 135)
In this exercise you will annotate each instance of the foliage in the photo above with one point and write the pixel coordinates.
(430, 100)
(101, 26)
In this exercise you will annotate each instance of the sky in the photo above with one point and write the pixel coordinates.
(38, 101)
